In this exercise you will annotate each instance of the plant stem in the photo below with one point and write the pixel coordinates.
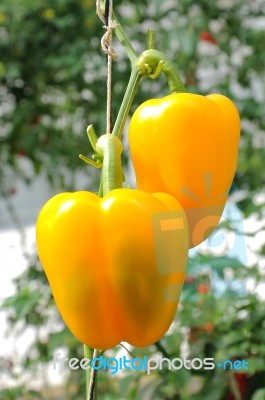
(130, 93)
(110, 148)
(151, 61)
(162, 350)
(90, 374)
(121, 35)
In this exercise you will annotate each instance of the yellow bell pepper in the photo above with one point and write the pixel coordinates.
(111, 279)
(187, 145)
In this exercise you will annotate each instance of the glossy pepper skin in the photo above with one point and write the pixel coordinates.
(187, 145)
(100, 259)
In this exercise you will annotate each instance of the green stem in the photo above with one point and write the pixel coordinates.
(92, 136)
(110, 147)
(125, 42)
(152, 61)
(160, 348)
(121, 35)
(150, 39)
(130, 93)
(90, 374)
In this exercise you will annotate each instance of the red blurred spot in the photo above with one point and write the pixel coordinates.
(203, 288)
(206, 36)
(208, 327)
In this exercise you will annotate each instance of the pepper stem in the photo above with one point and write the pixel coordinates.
(110, 148)
(90, 353)
(151, 62)
(125, 42)
(131, 90)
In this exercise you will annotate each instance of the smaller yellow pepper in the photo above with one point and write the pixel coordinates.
(187, 145)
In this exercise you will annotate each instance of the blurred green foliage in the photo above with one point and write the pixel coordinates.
(52, 85)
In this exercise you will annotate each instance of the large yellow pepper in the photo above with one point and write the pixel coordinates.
(115, 264)
(187, 145)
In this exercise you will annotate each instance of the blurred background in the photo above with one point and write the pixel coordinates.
(52, 85)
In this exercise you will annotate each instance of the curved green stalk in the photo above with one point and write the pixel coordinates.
(125, 42)
(151, 62)
(130, 93)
